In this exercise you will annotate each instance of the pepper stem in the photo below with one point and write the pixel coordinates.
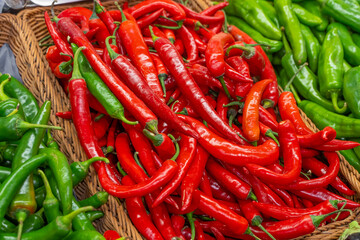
(252, 196)
(225, 28)
(156, 139)
(250, 233)
(76, 70)
(162, 77)
(226, 90)
(192, 224)
(14, 111)
(3, 96)
(49, 193)
(235, 103)
(123, 17)
(265, 231)
(86, 164)
(67, 219)
(154, 38)
(179, 24)
(334, 99)
(136, 154)
(152, 126)
(20, 217)
(177, 148)
(98, 7)
(232, 115)
(121, 171)
(55, 18)
(317, 220)
(267, 103)
(248, 51)
(271, 134)
(287, 86)
(111, 51)
(27, 125)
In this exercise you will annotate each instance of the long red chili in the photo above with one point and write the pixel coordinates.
(193, 177)
(202, 76)
(189, 88)
(204, 19)
(216, 28)
(250, 123)
(186, 156)
(319, 169)
(142, 8)
(130, 101)
(283, 194)
(231, 153)
(213, 9)
(318, 138)
(187, 38)
(236, 76)
(205, 186)
(149, 19)
(291, 154)
(199, 43)
(218, 191)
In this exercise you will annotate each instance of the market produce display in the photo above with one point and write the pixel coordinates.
(36, 191)
(187, 109)
(325, 35)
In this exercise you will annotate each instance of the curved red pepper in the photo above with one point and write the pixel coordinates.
(199, 42)
(202, 76)
(219, 192)
(178, 223)
(204, 19)
(148, 6)
(205, 186)
(236, 76)
(76, 11)
(187, 38)
(216, 27)
(213, 9)
(318, 138)
(116, 15)
(179, 46)
(102, 33)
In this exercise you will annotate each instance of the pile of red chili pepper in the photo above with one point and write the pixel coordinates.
(36, 180)
(185, 112)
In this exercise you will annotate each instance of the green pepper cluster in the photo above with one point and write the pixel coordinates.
(36, 180)
(323, 34)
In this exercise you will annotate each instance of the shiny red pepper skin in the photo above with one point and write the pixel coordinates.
(204, 19)
(138, 214)
(132, 77)
(219, 192)
(179, 46)
(145, 7)
(187, 38)
(116, 15)
(64, 115)
(214, 53)
(102, 33)
(240, 66)
(213, 9)
(78, 15)
(139, 54)
(319, 169)
(216, 28)
(178, 223)
(130, 101)
(222, 213)
(199, 43)
(283, 194)
(226, 179)
(173, 61)
(110, 139)
(202, 76)
(193, 177)
(222, 100)
(186, 156)
(236, 76)
(147, 20)
(111, 235)
(318, 138)
(205, 186)
(291, 154)
(231, 153)
(250, 123)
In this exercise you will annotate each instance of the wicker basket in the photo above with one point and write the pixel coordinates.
(115, 211)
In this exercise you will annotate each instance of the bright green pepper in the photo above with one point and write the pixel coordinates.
(320, 36)
(351, 157)
(346, 66)
(96, 200)
(356, 38)
(331, 68)
(80, 170)
(314, 8)
(305, 16)
(345, 127)
(85, 235)
(253, 14)
(8, 106)
(351, 50)
(273, 44)
(7, 226)
(312, 47)
(34, 222)
(269, 10)
(94, 215)
(9, 152)
(351, 90)
(291, 23)
(342, 11)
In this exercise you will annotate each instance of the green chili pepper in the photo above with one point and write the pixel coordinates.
(50, 142)
(94, 215)
(351, 50)
(331, 68)
(8, 106)
(28, 102)
(40, 194)
(80, 169)
(319, 35)
(289, 20)
(352, 90)
(85, 235)
(37, 181)
(284, 82)
(270, 11)
(356, 38)
(99, 89)
(351, 157)
(314, 8)
(252, 13)
(56, 230)
(14, 127)
(273, 44)
(51, 203)
(96, 200)
(346, 66)
(3, 95)
(345, 127)
(312, 47)
(9, 152)
(342, 11)
(357, 149)
(7, 226)
(4, 173)
(34, 222)
(305, 16)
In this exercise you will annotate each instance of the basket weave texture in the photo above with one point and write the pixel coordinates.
(47, 87)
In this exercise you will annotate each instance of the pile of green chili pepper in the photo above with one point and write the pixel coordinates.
(36, 180)
(323, 33)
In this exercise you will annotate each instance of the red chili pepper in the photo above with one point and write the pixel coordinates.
(79, 15)
(199, 43)
(130, 101)
(102, 33)
(308, 153)
(271, 92)
(179, 46)
(163, 144)
(291, 154)
(283, 194)
(206, 34)
(189, 43)
(220, 109)
(205, 186)
(149, 19)
(178, 223)
(116, 15)
(63, 70)
(250, 123)
(106, 57)
(226, 179)
(186, 156)
(217, 234)
(193, 23)
(231, 153)
(189, 88)
(53, 55)
(110, 141)
(202, 76)
(213, 9)
(170, 34)
(268, 119)
(136, 82)
(222, 213)
(240, 66)
(307, 203)
(111, 235)
(236, 76)
(94, 103)
(90, 34)
(297, 203)
(214, 53)
(250, 54)
(200, 235)
(219, 192)
(319, 138)
(138, 214)
(193, 177)
(204, 19)
(100, 126)
(162, 72)
(216, 27)
(319, 169)
(193, 206)
(267, 132)
(64, 115)
(336, 145)
(169, 6)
